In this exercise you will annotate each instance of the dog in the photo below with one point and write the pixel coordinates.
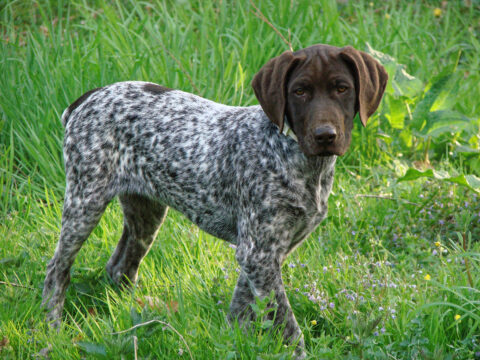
(258, 177)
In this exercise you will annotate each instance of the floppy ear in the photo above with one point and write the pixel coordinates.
(270, 84)
(370, 81)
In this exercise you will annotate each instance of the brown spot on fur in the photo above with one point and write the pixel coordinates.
(81, 99)
(77, 103)
(155, 89)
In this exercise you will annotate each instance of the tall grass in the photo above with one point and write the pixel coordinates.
(358, 286)
(53, 52)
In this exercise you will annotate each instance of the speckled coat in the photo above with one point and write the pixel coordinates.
(228, 169)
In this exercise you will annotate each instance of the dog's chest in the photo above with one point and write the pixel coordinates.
(313, 211)
(315, 198)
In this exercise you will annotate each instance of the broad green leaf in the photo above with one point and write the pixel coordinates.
(470, 181)
(422, 109)
(397, 111)
(413, 174)
(446, 99)
(401, 83)
(92, 348)
(445, 121)
(405, 84)
(385, 59)
(466, 150)
(406, 137)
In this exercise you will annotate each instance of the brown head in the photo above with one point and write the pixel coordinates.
(319, 90)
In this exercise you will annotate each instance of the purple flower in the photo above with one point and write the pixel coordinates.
(382, 330)
(441, 222)
(332, 305)
(434, 252)
(291, 265)
(375, 333)
(353, 232)
(350, 297)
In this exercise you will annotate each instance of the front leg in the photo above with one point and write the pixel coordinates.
(261, 272)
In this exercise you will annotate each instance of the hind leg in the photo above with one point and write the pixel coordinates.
(81, 213)
(142, 219)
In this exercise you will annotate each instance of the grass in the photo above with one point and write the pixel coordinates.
(358, 286)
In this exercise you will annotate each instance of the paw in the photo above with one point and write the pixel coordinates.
(54, 318)
(299, 355)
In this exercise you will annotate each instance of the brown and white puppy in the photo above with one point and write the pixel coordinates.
(230, 170)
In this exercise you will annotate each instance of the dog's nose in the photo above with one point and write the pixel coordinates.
(325, 135)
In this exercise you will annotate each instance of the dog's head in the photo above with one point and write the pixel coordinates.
(319, 90)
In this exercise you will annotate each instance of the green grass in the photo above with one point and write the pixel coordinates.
(361, 276)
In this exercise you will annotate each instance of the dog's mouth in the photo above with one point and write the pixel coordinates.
(313, 150)
(327, 153)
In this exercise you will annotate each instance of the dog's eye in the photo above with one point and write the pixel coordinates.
(299, 92)
(341, 89)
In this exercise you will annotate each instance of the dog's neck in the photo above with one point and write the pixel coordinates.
(316, 171)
